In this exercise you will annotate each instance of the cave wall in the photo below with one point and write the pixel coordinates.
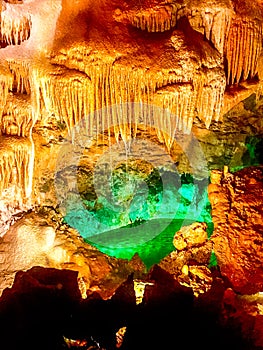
(85, 80)
(180, 68)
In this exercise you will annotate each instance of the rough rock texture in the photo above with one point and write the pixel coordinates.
(246, 312)
(170, 55)
(44, 309)
(40, 239)
(101, 74)
(190, 236)
(189, 262)
(236, 201)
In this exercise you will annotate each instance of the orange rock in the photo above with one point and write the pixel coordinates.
(237, 238)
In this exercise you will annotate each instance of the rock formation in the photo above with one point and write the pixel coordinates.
(88, 80)
(182, 58)
(237, 238)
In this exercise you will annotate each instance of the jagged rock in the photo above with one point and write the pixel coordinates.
(245, 311)
(190, 236)
(37, 240)
(176, 68)
(46, 304)
(188, 262)
(198, 278)
(163, 287)
(37, 308)
(237, 215)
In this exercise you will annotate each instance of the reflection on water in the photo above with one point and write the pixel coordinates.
(150, 252)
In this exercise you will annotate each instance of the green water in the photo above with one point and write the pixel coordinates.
(142, 216)
(150, 252)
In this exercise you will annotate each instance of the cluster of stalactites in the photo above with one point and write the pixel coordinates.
(170, 102)
(16, 116)
(156, 19)
(16, 123)
(16, 168)
(62, 92)
(15, 25)
(214, 23)
(243, 48)
(238, 37)
(20, 71)
(6, 83)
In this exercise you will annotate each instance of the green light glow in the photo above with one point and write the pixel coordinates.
(143, 214)
(253, 154)
(213, 260)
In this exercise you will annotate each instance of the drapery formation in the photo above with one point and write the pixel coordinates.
(176, 56)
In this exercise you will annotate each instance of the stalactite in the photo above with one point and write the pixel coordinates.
(235, 30)
(17, 119)
(60, 91)
(178, 105)
(16, 168)
(20, 69)
(243, 48)
(152, 19)
(101, 94)
(213, 22)
(15, 25)
(6, 83)
(210, 87)
(16, 110)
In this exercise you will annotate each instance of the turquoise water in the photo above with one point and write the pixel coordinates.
(141, 215)
(150, 252)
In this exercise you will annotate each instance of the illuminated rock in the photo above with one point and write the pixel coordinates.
(166, 54)
(107, 64)
(190, 236)
(36, 240)
(237, 239)
(189, 262)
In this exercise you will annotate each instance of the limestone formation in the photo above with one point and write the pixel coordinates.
(189, 262)
(69, 77)
(39, 240)
(237, 238)
(99, 75)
